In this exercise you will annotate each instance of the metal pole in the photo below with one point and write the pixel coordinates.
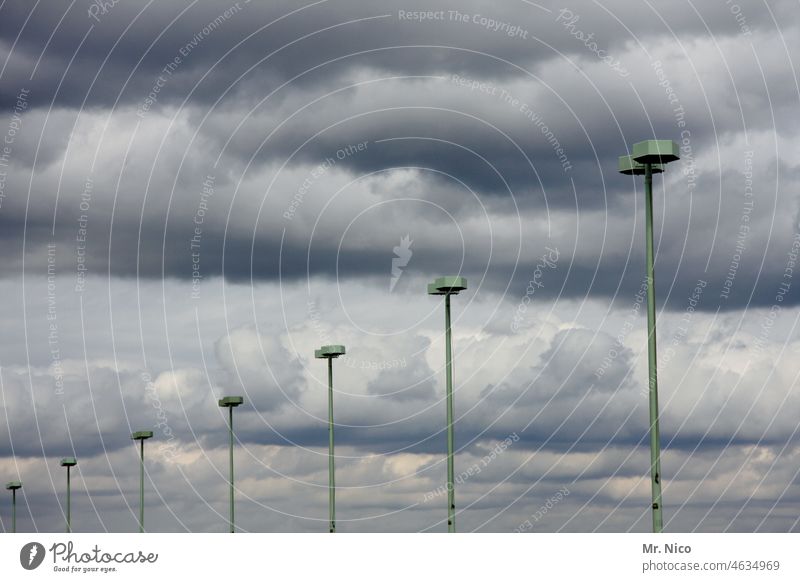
(655, 444)
(230, 425)
(69, 520)
(13, 511)
(331, 471)
(141, 487)
(451, 496)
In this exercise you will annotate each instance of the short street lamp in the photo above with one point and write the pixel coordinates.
(13, 486)
(231, 402)
(141, 436)
(69, 462)
(330, 353)
(448, 286)
(648, 158)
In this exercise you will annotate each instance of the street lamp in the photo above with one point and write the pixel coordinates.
(141, 436)
(13, 486)
(448, 286)
(330, 353)
(647, 159)
(231, 402)
(69, 462)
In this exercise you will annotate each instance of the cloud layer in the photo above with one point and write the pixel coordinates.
(195, 196)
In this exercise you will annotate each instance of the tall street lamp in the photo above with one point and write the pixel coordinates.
(448, 286)
(647, 159)
(330, 353)
(69, 462)
(141, 436)
(13, 486)
(231, 402)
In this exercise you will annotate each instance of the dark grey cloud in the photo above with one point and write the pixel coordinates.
(121, 50)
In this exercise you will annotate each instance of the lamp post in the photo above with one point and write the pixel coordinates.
(13, 486)
(141, 436)
(448, 286)
(231, 402)
(330, 353)
(69, 462)
(647, 159)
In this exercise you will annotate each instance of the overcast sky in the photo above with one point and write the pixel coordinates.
(194, 195)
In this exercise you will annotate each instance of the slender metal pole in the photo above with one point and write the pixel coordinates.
(13, 511)
(69, 518)
(655, 442)
(451, 494)
(141, 487)
(331, 471)
(230, 425)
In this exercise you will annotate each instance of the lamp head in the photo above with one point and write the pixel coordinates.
(630, 167)
(230, 401)
(655, 151)
(141, 435)
(69, 462)
(447, 286)
(332, 351)
(13, 485)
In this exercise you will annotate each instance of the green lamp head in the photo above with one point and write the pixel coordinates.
(141, 435)
(332, 351)
(13, 485)
(230, 401)
(655, 151)
(630, 167)
(69, 462)
(447, 286)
